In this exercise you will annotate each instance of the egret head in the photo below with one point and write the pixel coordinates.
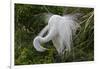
(37, 42)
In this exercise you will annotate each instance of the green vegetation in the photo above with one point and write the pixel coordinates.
(29, 22)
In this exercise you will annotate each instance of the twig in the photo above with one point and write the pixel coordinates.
(46, 9)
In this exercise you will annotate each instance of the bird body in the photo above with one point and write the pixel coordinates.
(60, 30)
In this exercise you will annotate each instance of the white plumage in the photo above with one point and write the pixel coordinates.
(60, 30)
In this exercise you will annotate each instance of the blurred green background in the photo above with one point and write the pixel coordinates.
(29, 21)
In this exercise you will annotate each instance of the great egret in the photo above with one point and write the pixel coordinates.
(60, 30)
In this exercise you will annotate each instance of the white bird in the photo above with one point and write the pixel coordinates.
(60, 30)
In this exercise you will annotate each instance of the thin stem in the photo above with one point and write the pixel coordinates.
(46, 9)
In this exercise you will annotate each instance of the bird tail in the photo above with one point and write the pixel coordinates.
(69, 29)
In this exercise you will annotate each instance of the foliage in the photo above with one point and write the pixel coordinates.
(29, 21)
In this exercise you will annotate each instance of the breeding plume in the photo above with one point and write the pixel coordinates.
(60, 30)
